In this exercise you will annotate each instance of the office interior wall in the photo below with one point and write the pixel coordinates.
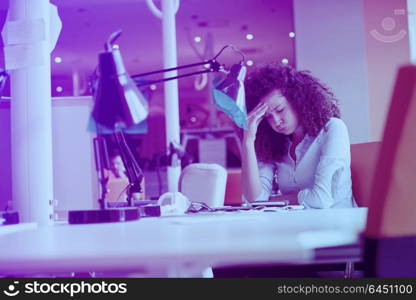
(411, 20)
(75, 182)
(330, 43)
(355, 47)
(75, 178)
(387, 47)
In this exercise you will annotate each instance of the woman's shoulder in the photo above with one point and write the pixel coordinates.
(334, 128)
(335, 131)
(335, 124)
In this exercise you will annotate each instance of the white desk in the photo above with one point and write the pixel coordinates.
(181, 246)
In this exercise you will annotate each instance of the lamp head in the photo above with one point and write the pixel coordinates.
(229, 95)
(118, 103)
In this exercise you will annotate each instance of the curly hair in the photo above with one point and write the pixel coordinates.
(313, 102)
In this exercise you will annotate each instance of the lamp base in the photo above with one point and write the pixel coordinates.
(103, 215)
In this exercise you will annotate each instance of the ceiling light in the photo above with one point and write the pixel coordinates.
(197, 39)
(292, 34)
(59, 89)
(249, 36)
(58, 59)
(249, 63)
(285, 61)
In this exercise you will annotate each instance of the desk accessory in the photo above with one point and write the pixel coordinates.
(270, 203)
(9, 217)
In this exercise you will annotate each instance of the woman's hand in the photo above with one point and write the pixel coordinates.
(253, 120)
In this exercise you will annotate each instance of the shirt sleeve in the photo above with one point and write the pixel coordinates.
(266, 173)
(335, 156)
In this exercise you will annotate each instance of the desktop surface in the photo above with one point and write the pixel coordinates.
(178, 242)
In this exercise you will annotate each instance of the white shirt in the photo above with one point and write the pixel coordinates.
(321, 175)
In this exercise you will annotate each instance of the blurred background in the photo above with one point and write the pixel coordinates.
(354, 46)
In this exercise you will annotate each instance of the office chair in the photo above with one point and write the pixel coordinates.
(390, 237)
(205, 183)
(363, 162)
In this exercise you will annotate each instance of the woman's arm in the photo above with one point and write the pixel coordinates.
(334, 158)
(250, 176)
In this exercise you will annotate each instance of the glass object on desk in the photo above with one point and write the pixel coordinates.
(275, 185)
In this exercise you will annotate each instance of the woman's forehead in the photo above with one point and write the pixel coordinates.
(274, 99)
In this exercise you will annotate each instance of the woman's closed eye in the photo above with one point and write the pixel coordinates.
(281, 109)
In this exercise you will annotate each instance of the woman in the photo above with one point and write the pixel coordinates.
(295, 135)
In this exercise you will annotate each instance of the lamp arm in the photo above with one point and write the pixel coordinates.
(101, 163)
(133, 170)
(235, 49)
(214, 67)
(149, 82)
(113, 37)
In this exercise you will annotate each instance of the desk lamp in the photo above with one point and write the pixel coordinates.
(118, 104)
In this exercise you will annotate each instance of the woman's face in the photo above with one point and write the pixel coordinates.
(280, 114)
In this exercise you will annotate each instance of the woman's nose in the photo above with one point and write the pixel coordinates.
(276, 119)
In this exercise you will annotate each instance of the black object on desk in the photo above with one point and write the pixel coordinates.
(10, 217)
(120, 214)
(150, 211)
(147, 208)
(103, 215)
